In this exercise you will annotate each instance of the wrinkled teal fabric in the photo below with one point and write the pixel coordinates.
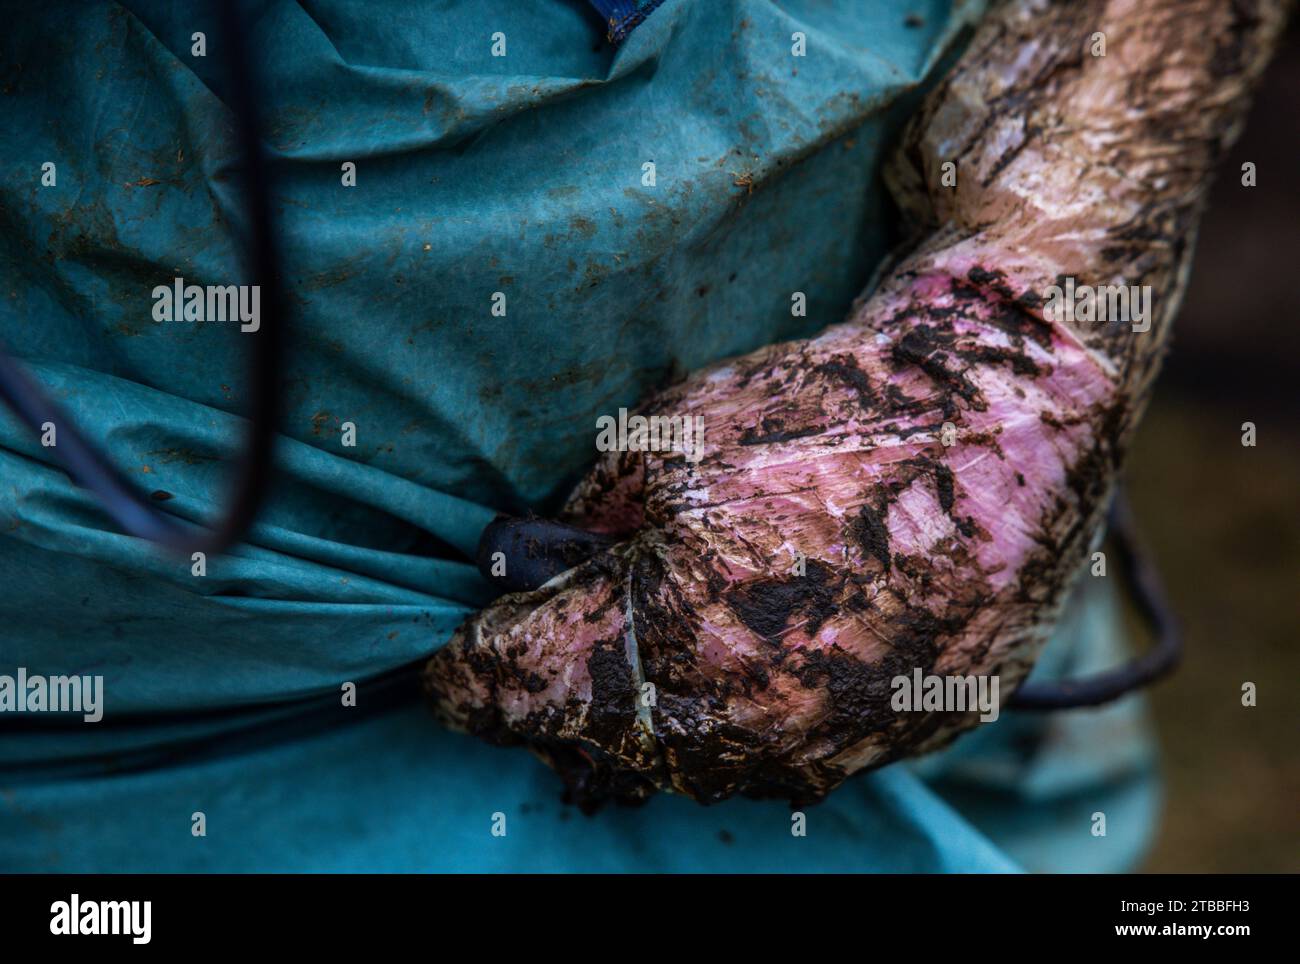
(475, 174)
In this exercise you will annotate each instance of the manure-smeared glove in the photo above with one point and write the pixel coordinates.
(913, 489)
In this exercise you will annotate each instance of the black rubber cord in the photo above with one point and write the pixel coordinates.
(522, 554)
(1149, 596)
(130, 508)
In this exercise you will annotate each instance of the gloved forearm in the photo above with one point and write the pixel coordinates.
(913, 488)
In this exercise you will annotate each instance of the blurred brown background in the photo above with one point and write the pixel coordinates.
(1223, 521)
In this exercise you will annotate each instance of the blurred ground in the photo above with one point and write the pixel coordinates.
(1223, 521)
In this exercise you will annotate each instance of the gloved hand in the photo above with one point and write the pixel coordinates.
(914, 488)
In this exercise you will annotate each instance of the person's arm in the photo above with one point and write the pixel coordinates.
(914, 488)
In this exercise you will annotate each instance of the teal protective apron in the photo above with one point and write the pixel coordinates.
(633, 212)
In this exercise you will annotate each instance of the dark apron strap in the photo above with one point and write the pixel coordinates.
(622, 16)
